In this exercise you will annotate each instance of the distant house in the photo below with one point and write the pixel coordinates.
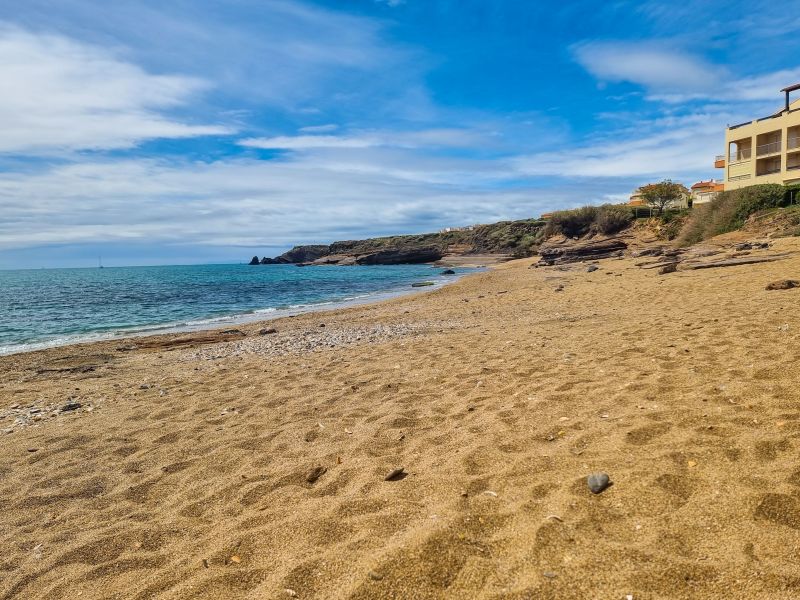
(637, 200)
(451, 229)
(706, 191)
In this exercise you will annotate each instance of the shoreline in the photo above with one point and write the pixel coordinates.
(203, 466)
(211, 324)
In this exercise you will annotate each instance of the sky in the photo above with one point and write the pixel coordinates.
(178, 132)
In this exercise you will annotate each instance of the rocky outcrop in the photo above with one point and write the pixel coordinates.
(254, 261)
(408, 256)
(580, 251)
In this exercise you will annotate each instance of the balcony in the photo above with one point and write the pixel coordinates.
(767, 149)
(719, 161)
(739, 155)
(793, 143)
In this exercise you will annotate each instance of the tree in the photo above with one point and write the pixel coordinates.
(661, 195)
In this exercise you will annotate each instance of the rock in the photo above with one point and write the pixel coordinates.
(395, 474)
(670, 268)
(254, 261)
(322, 324)
(448, 272)
(783, 284)
(316, 473)
(598, 482)
(33, 449)
(422, 284)
(592, 268)
(267, 331)
(129, 348)
(145, 386)
(234, 332)
(549, 574)
(560, 287)
(591, 250)
(394, 256)
(375, 576)
(70, 406)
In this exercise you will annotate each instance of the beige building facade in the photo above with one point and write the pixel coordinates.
(766, 150)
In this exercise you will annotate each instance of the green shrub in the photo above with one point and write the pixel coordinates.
(612, 218)
(606, 219)
(729, 211)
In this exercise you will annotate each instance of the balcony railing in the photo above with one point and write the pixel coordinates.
(739, 155)
(769, 171)
(771, 148)
(793, 143)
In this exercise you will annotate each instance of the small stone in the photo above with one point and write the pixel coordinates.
(291, 593)
(560, 288)
(783, 284)
(316, 473)
(549, 574)
(670, 268)
(592, 268)
(32, 449)
(448, 272)
(70, 406)
(395, 474)
(375, 576)
(268, 331)
(322, 324)
(598, 482)
(144, 386)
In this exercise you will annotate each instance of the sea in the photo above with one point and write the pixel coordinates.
(51, 307)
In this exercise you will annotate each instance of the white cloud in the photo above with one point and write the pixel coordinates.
(430, 138)
(323, 197)
(59, 94)
(654, 66)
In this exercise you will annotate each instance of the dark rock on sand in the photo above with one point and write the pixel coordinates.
(70, 406)
(448, 272)
(422, 284)
(670, 268)
(598, 482)
(592, 268)
(267, 331)
(582, 251)
(783, 284)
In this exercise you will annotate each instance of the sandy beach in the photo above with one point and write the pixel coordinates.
(220, 465)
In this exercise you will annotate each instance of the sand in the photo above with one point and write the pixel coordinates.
(185, 471)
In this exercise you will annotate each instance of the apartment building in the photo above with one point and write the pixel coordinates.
(705, 191)
(766, 150)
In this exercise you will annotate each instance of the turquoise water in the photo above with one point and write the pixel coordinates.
(49, 307)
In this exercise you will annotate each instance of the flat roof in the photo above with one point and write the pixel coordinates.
(791, 88)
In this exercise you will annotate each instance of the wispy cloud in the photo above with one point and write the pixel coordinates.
(59, 94)
(652, 65)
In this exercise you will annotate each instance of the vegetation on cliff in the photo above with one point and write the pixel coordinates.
(730, 210)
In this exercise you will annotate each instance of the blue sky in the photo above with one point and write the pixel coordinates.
(177, 131)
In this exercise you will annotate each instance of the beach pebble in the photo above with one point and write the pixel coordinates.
(549, 574)
(375, 576)
(33, 449)
(315, 473)
(598, 482)
(70, 406)
(783, 284)
(291, 593)
(395, 474)
(592, 268)
(268, 331)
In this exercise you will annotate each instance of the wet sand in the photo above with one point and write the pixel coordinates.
(188, 468)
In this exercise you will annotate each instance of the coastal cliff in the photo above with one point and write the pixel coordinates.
(515, 239)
